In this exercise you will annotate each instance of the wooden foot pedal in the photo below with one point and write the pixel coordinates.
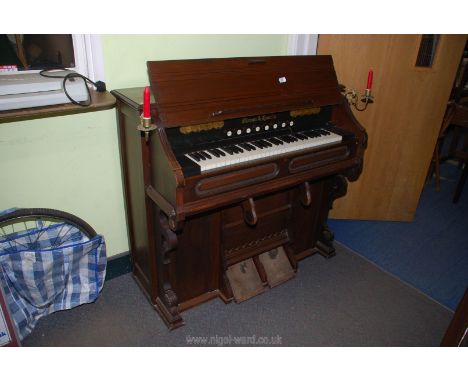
(277, 267)
(244, 280)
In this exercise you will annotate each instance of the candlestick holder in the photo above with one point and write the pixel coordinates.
(146, 126)
(354, 98)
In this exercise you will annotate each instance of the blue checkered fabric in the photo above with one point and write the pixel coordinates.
(41, 278)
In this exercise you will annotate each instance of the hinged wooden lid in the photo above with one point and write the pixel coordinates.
(198, 91)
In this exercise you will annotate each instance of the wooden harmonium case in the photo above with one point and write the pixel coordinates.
(232, 184)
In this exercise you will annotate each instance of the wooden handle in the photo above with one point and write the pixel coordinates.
(250, 214)
(306, 198)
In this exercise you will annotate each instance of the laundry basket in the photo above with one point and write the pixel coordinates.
(50, 260)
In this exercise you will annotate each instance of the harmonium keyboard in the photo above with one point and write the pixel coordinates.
(231, 185)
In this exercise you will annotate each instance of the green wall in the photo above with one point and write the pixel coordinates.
(72, 163)
(69, 163)
(125, 56)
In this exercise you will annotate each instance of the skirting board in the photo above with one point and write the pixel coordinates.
(118, 265)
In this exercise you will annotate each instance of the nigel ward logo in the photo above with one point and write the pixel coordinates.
(233, 340)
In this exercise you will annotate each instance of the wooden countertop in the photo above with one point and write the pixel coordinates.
(100, 101)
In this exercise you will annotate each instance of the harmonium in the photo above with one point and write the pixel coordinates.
(230, 185)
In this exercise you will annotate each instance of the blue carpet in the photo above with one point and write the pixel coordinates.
(430, 253)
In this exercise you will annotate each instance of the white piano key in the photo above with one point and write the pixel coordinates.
(261, 153)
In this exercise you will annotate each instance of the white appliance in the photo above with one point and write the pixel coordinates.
(18, 91)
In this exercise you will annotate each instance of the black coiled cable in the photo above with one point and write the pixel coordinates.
(99, 85)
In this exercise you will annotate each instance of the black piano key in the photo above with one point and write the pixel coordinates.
(194, 157)
(252, 147)
(239, 149)
(245, 146)
(212, 151)
(276, 141)
(233, 149)
(266, 143)
(273, 142)
(207, 156)
(200, 155)
(197, 156)
(300, 136)
(311, 134)
(220, 152)
(228, 150)
(257, 144)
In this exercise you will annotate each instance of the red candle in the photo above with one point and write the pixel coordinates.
(146, 103)
(369, 79)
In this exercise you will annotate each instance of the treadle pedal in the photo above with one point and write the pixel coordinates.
(277, 267)
(244, 280)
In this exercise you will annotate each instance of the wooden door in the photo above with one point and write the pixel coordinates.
(402, 124)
